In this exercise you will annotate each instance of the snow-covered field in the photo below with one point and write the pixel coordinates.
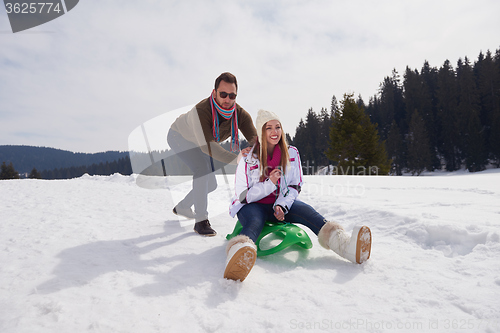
(102, 254)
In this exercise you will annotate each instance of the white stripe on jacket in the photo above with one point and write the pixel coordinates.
(248, 188)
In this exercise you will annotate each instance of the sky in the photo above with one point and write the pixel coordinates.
(86, 80)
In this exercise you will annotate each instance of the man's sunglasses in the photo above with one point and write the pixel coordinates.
(223, 94)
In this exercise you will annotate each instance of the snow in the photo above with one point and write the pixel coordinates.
(101, 254)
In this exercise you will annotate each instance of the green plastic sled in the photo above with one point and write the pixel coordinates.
(290, 233)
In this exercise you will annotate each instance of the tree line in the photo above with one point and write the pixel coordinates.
(432, 119)
(25, 158)
(121, 166)
(441, 117)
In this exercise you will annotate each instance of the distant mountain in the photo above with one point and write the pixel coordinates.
(25, 158)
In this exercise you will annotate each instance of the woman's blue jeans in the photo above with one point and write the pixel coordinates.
(252, 217)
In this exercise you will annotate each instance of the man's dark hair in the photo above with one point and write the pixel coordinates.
(226, 77)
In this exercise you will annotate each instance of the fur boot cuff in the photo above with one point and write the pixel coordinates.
(238, 239)
(326, 231)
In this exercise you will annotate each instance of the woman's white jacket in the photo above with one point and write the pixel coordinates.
(249, 189)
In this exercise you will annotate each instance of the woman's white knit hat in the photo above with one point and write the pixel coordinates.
(263, 117)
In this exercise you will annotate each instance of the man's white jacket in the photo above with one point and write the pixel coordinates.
(249, 189)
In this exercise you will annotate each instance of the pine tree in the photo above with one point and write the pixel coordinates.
(325, 123)
(484, 71)
(474, 145)
(34, 174)
(495, 141)
(413, 92)
(428, 112)
(391, 104)
(310, 142)
(334, 106)
(418, 145)
(373, 110)
(395, 149)
(493, 138)
(300, 139)
(8, 171)
(313, 131)
(360, 102)
(469, 123)
(449, 132)
(355, 143)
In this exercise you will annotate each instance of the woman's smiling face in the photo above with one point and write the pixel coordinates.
(273, 132)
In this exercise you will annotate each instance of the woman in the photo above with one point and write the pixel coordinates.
(263, 192)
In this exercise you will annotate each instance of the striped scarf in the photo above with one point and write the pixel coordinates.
(226, 114)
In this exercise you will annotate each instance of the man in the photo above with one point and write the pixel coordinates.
(195, 137)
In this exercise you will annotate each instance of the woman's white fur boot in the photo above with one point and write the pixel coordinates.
(355, 248)
(241, 255)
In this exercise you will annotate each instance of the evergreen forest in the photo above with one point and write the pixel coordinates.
(445, 118)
